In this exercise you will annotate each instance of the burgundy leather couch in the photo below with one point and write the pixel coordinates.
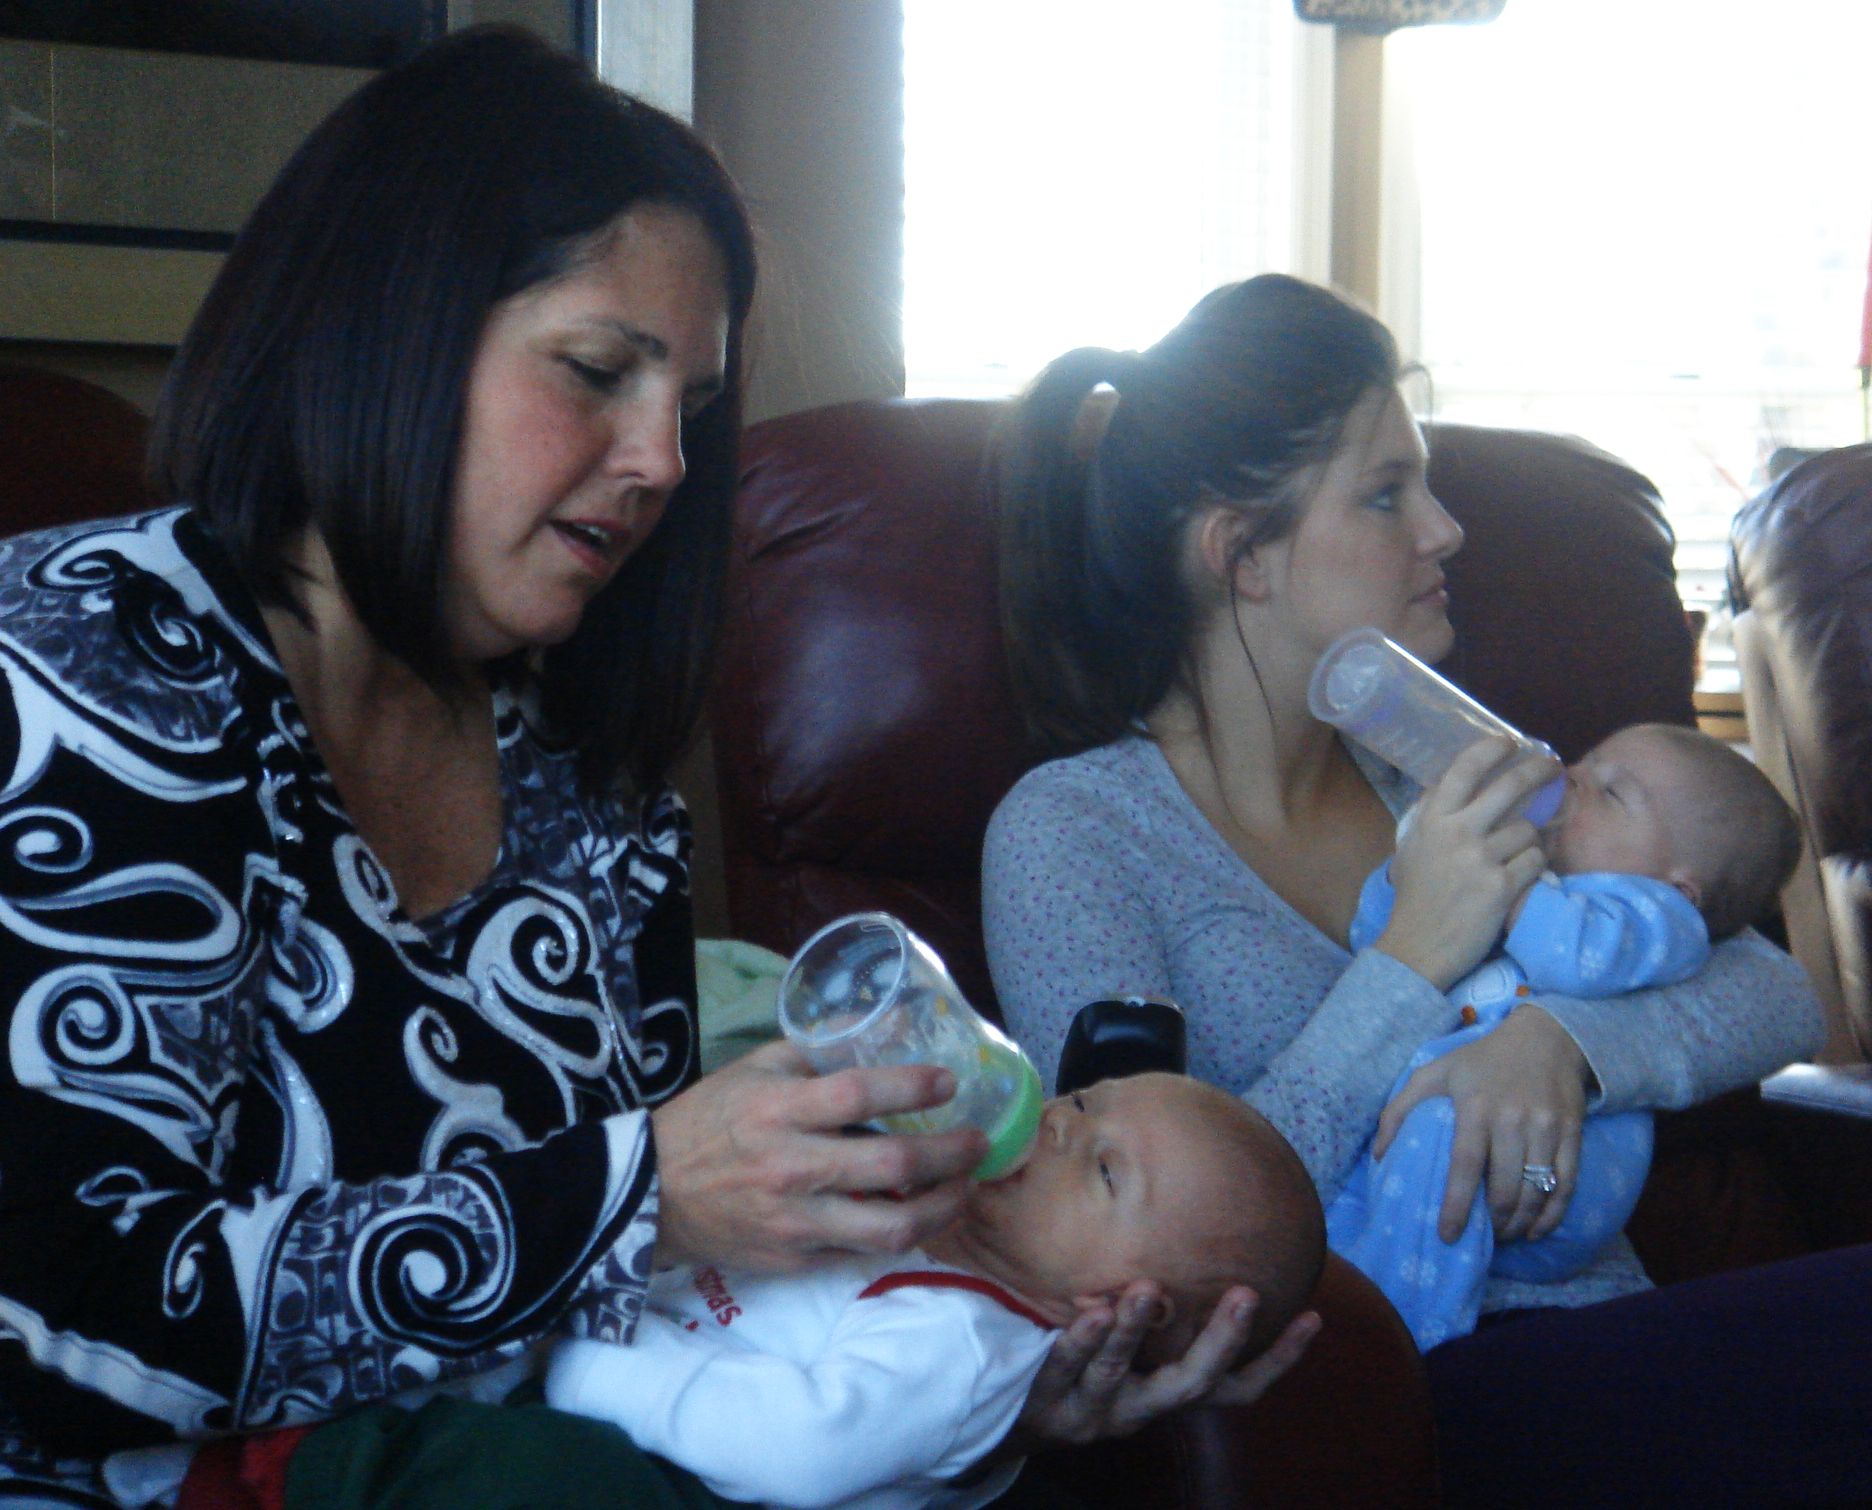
(864, 732)
(68, 450)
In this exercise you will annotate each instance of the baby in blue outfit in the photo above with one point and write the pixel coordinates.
(1667, 840)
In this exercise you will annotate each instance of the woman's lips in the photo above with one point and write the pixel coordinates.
(596, 546)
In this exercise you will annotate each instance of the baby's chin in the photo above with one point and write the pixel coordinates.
(999, 1190)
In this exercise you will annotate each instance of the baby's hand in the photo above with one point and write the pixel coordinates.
(1465, 859)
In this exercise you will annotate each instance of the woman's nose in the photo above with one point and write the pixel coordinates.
(1439, 536)
(646, 447)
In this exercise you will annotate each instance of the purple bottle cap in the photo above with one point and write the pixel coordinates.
(1542, 806)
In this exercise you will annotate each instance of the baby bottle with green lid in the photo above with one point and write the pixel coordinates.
(865, 990)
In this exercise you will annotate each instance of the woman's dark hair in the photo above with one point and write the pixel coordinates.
(324, 381)
(1251, 388)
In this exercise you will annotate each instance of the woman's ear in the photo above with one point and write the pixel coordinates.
(1225, 549)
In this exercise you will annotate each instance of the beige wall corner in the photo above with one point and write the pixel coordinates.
(1357, 189)
(805, 104)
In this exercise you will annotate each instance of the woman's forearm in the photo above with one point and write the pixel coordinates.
(1747, 1013)
(1325, 1089)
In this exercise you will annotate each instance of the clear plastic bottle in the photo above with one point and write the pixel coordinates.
(865, 990)
(1375, 691)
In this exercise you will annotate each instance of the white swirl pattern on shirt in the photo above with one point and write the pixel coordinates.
(183, 995)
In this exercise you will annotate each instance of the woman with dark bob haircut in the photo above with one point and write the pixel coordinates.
(345, 938)
(1186, 530)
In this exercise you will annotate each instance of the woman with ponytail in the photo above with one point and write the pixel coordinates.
(1185, 530)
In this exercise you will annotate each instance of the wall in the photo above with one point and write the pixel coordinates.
(804, 102)
(150, 138)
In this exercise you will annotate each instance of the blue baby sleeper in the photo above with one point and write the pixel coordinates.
(1585, 935)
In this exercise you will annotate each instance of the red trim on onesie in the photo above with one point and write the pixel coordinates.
(943, 1279)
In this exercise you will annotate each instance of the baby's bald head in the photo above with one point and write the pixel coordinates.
(1251, 1216)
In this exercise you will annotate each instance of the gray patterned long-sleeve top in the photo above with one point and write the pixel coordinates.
(1101, 878)
(268, 1146)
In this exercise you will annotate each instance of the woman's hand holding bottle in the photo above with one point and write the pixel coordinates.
(1464, 859)
(757, 1169)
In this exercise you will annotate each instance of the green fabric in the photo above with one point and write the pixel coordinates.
(737, 985)
(465, 1455)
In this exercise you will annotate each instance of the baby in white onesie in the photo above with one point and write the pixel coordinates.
(876, 1382)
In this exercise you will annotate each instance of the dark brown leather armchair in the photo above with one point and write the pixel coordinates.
(864, 732)
(1801, 580)
(1800, 577)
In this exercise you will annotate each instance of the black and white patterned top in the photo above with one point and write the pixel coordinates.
(268, 1146)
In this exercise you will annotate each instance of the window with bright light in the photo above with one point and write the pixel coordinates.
(1647, 224)
(1080, 172)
